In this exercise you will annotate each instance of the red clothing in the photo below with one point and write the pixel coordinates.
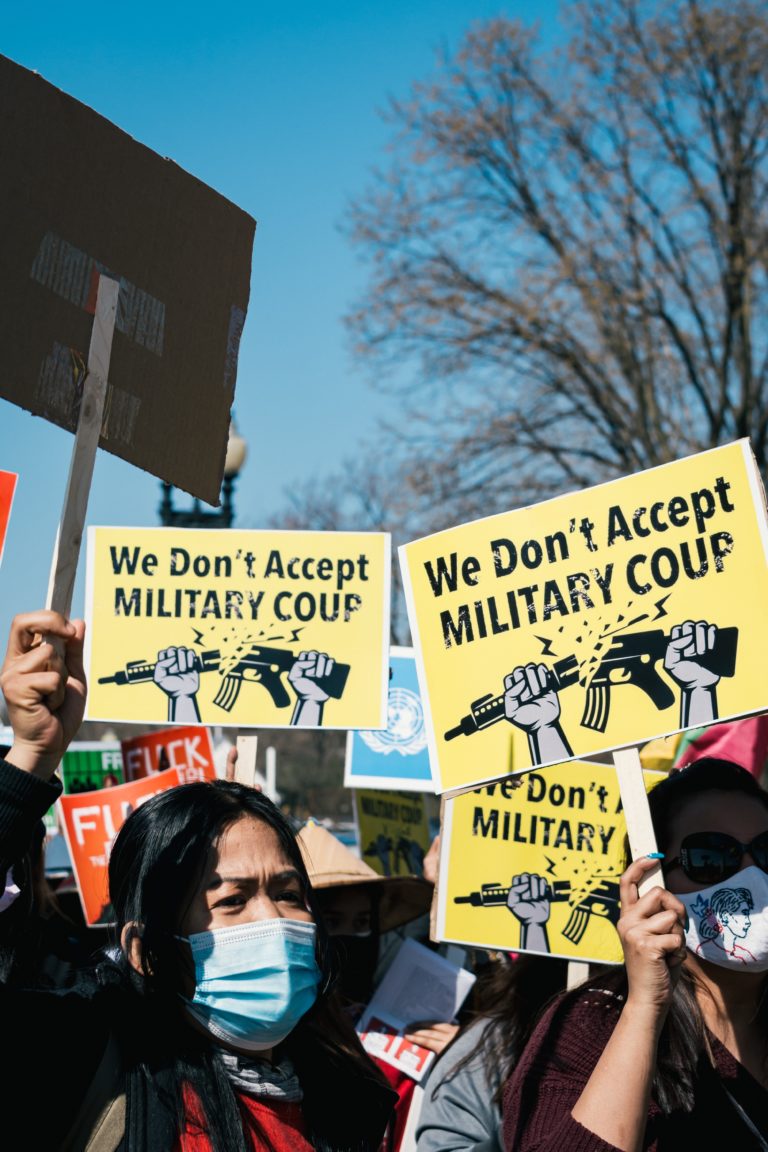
(405, 1086)
(282, 1123)
(559, 1059)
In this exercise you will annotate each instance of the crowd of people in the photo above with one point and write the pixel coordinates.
(221, 1014)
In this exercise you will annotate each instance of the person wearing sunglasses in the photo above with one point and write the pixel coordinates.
(670, 1049)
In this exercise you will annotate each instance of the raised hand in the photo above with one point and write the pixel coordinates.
(44, 691)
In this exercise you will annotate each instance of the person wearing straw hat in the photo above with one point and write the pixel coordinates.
(358, 906)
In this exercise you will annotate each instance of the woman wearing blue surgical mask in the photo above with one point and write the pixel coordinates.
(215, 1028)
(670, 1050)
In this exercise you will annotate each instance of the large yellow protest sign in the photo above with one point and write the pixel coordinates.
(597, 620)
(249, 629)
(532, 863)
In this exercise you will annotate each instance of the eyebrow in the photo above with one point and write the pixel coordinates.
(287, 874)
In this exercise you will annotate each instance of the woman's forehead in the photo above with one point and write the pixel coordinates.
(251, 844)
(734, 813)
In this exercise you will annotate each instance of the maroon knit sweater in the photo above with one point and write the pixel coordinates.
(558, 1061)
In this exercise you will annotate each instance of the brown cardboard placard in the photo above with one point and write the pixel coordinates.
(80, 198)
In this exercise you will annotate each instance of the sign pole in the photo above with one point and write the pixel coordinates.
(72, 523)
(271, 774)
(637, 812)
(245, 769)
(576, 973)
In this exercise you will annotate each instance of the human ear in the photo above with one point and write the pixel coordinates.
(132, 946)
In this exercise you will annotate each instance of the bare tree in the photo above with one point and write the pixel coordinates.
(370, 493)
(568, 252)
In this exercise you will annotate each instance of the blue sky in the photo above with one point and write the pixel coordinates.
(276, 106)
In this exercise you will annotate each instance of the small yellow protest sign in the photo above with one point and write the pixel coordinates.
(250, 629)
(532, 863)
(594, 621)
(393, 830)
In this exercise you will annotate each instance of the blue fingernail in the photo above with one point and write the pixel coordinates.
(654, 855)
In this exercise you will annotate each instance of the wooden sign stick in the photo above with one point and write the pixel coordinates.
(245, 769)
(576, 973)
(72, 524)
(637, 812)
(434, 905)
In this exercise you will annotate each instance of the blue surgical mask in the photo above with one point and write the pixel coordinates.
(254, 982)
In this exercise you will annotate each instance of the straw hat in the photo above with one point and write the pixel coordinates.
(331, 865)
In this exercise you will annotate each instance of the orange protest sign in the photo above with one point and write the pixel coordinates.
(91, 820)
(188, 748)
(7, 489)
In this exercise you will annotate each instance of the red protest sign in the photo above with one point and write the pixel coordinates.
(90, 821)
(188, 749)
(7, 489)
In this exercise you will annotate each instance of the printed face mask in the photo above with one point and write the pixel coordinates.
(254, 982)
(728, 923)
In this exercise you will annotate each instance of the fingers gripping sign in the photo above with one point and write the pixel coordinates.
(652, 933)
(44, 688)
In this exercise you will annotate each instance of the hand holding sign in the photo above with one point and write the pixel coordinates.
(45, 692)
(652, 937)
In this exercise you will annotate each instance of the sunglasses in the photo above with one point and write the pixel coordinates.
(709, 857)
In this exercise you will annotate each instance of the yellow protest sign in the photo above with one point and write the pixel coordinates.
(393, 830)
(532, 863)
(597, 620)
(249, 629)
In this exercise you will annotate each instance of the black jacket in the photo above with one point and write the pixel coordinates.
(54, 1040)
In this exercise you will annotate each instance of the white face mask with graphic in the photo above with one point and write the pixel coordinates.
(728, 923)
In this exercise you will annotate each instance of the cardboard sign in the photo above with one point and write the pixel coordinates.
(393, 831)
(601, 619)
(397, 757)
(91, 820)
(249, 629)
(187, 748)
(532, 864)
(7, 489)
(79, 197)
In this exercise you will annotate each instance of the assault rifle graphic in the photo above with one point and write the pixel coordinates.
(260, 665)
(630, 659)
(602, 901)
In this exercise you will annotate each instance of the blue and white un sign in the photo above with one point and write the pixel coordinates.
(369, 762)
(405, 732)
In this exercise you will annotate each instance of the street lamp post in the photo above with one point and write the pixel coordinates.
(197, 516)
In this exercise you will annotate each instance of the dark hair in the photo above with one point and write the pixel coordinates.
(709, 774)
(683, 1042)
(159, 858)
(157, 863)
(510, 996)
